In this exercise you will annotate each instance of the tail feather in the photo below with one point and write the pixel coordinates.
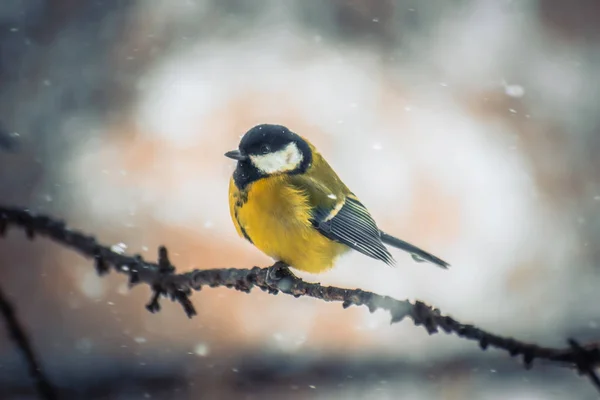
(416, 252)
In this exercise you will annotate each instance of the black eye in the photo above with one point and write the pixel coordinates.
(265, 148)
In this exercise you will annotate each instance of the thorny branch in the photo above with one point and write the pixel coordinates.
(165, 282)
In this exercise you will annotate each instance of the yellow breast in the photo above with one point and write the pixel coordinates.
(275, 216)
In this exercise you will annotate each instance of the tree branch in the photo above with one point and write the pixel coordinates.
(18, 334)
(164, 281)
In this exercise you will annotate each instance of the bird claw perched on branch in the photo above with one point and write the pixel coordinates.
(279, 277)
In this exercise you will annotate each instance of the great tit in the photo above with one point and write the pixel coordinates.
(286, 200)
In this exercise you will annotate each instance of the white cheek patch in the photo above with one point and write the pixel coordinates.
(286, 159)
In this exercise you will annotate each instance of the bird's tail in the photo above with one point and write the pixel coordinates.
(417, 254)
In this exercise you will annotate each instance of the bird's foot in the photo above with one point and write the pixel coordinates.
(279, 276)
(278, 271)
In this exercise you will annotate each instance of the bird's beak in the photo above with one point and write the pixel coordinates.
(236, 155)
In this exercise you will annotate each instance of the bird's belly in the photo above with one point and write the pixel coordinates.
(277, 220)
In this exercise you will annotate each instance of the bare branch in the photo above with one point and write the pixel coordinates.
(17, 333)
(585, 362)
(164, 281)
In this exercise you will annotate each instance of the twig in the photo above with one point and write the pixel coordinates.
(164, 281)
(17, 333)
(585, 363)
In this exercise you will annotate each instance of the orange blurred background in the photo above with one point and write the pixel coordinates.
(469, 128)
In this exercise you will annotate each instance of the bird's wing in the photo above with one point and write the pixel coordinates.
(343, 218)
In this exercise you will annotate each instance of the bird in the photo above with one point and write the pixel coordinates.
(287, 201)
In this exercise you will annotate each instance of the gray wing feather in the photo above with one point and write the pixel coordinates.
(354, 227)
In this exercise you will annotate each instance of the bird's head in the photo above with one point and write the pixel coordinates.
(272, 149)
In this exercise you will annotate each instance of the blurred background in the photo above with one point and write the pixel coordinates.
(468, 127)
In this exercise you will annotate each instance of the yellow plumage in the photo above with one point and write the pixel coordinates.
(276, 218)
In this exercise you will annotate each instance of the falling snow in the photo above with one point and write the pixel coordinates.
(514, 91)
(119, 248)
(201, 349)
